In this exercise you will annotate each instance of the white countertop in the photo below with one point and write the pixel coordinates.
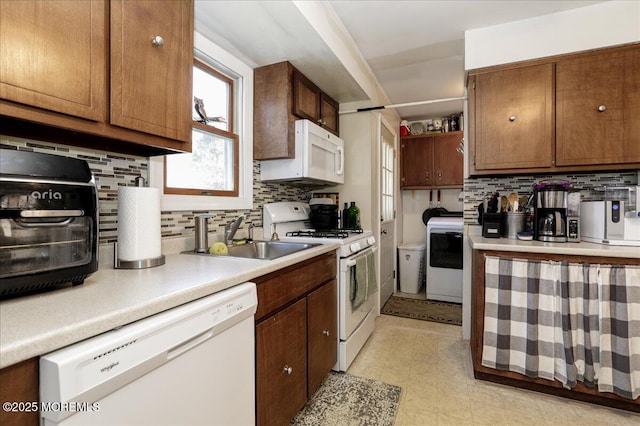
(37, 324)
(478, 242)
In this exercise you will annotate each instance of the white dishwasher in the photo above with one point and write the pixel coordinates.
(191, 365)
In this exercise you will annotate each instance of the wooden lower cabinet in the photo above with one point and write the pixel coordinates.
(580, 392)
(19, 383)
(322, 336)
(281, 376)
(296, 338)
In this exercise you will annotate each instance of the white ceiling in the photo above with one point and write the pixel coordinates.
(414, 48)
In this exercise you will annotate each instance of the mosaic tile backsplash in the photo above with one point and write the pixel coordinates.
(590, 185)
(112, 170)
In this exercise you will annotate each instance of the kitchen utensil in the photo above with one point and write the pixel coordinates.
(430, 198)
(439, 199)
(522, 202)
(513, 198)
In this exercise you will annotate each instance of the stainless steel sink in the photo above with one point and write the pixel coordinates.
(265, 250)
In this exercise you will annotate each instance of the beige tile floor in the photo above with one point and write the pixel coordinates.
(432, 364)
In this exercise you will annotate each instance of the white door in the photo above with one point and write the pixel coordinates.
(387, 213)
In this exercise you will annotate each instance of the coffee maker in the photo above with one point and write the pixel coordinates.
(550, 214)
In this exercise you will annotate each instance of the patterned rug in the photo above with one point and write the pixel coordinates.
(346, 400)
(427, 310)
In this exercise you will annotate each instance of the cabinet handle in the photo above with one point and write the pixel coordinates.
(287, 369)
(320, 121)
(157, 41)
(325, 332)
(512, 118)
(602, 108)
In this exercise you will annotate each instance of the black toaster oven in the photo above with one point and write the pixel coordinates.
(48, 221)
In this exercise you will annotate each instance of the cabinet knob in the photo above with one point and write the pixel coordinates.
(602, 108)
(512, 118)
(325, 332)
(287, 369)
(320, 121)
(157, 41)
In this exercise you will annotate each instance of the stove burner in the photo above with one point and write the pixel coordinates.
(332, 233)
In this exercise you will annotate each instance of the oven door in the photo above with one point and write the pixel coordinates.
(358, 287)
(36, 246)
(445, 249)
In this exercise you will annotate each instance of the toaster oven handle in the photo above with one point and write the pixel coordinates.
(50, 213)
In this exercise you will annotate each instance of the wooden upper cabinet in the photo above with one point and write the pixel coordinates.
(575, 112)
(514, 123)
(151, 67)
(86, 73)
(448, 162)
(54, 56)
(431, 161)
(313, 104)
(329, 114)
(416, 162)
(306, 98)
(598, 108)
(282, 95)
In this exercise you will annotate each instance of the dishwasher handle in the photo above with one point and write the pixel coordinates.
(189, 344)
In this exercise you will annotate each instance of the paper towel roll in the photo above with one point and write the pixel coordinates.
(138, 223)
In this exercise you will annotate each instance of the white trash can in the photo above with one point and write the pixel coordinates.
(411, 265)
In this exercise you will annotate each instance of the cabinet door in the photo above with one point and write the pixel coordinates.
(514, 118)
(416, 162)
(61, 65)
(281, 373)
(598, 108)
(151, 80)
(329, 114)
(322, 334)
(448, 162)
(306, 98)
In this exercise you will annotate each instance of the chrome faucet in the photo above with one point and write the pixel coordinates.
(231, 228)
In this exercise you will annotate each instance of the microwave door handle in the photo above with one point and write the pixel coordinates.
(341, 153)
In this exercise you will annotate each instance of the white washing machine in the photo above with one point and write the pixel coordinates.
(443, 258)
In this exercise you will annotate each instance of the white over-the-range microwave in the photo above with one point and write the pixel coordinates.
(319, 157)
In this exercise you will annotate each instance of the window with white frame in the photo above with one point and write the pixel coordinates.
(218, 173)
(211, 169)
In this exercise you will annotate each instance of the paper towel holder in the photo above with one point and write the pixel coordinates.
(135, 264)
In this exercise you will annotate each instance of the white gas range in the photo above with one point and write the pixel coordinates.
(357, 284)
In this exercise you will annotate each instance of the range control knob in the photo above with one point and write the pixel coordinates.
(371, 240)
(354, 247)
